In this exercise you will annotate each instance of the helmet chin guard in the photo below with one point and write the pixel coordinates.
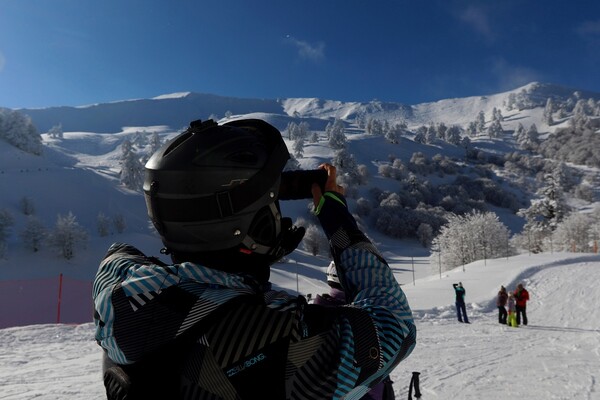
(215, 187)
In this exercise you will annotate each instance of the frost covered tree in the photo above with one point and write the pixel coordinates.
(337, 135)
(291, 130)
(495, 130)
(441, 130)
(34, 234)
(471, 237)
(543, 216)
(132, 170)
(67, 236)
(155, 143)
(6, 222)
(421, 134)
(529, 140)
(374, 127)
(56, 132)
(18, 130)
(299, 146)
(576, 233)
(431, 134)
(453, 135)
(548, 111)
(472, 129)
(480, 122)
(314, 137)
(393, 133)
(346, 164)
(103, 224)
(497, 115)
(519, 132)
(315, 241)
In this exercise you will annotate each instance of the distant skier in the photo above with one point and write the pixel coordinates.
(501, 303)
(521, 297)
(461, 309)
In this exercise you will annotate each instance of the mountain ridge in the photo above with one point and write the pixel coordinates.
(176, 110)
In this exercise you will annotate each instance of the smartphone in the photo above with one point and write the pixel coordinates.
(297, 184)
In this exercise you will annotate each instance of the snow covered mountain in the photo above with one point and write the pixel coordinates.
(177, 110)
(78, 172)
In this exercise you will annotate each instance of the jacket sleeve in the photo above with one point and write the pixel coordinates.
(378, 321)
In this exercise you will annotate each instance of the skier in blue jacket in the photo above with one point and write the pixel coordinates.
(209, 325)
(461, 309)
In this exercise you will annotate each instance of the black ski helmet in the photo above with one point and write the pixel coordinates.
(215, 187)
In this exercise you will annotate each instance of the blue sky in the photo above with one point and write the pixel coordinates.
(77, 52)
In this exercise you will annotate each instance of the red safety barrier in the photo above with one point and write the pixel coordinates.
(45, 301)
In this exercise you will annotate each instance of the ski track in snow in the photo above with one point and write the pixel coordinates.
(556, 357)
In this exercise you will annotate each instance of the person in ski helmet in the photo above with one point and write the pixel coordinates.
(209, 324)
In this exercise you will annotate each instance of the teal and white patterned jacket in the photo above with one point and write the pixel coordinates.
(235, 339)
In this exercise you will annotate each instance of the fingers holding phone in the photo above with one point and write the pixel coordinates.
(331, 184)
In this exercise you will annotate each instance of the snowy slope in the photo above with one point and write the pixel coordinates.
(555, 357)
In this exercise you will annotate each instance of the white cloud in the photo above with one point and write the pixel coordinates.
(512, 76)
(589, 28)
(478, 19)
(306, 50)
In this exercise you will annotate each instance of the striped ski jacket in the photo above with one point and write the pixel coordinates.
(228, 337)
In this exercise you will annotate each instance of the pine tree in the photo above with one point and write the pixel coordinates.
(132, 170)
(299, 146)
(495, 129)
(480, 122)
(548, 111)
(421, 134)
(453, 135)
(337, 136)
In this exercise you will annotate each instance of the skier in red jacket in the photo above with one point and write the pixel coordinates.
(521, 296)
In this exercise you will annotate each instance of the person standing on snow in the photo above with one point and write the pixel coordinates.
(337, 297)
(461, 309)
(209, 325)
(501, 303)
(512, 318)
(521, 298)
